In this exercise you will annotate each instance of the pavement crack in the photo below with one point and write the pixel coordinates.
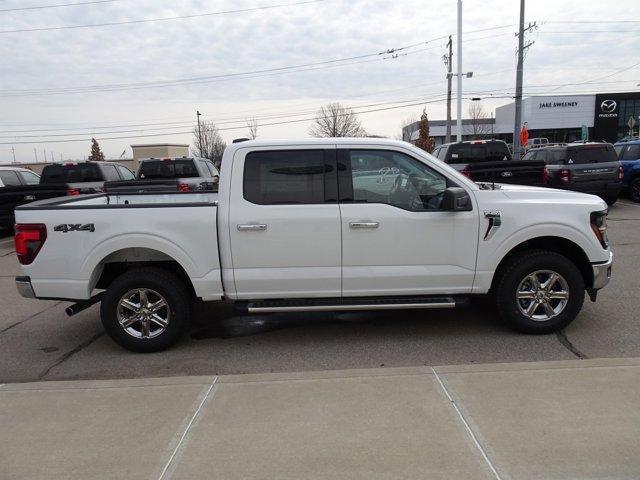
(70, 354)
(566, 343)
(28, 318)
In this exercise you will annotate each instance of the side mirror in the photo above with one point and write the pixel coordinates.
(456, 199)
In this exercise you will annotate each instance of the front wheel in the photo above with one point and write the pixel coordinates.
(539, 292)
(146, 309)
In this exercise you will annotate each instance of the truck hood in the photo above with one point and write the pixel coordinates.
(552, 195)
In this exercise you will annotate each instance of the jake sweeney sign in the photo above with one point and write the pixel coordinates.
(557, 104)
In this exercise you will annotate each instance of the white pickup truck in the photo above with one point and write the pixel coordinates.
(310, 225)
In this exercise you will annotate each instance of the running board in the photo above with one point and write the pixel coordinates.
(348, 304)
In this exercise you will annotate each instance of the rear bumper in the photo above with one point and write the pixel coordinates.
(596, 188)
(602, 273)
(23, 284)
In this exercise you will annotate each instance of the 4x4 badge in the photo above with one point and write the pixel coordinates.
(74, 227)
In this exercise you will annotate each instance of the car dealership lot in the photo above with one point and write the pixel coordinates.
(39, 342)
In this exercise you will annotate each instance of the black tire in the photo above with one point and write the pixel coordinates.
(634, 190)
(516, 271)
(610, 199)
(168, 286)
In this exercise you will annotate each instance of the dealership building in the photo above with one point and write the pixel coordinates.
(560, 118)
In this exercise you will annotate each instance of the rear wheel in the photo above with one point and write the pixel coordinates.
(610, 199)
(539, 292)
(634, 190)
(146, 309)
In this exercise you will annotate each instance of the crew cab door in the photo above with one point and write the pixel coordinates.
(284, 223)
(396, 239)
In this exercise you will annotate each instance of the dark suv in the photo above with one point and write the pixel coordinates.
(588, 167)
(84, 177)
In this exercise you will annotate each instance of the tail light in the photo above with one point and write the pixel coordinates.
(599, 227)
(466, 171)
(545, 176)
(73, 191)
(29, 239)
(620, 173)
(565, 176)
(183, 187)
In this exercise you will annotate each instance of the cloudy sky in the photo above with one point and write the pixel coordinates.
(145, 81)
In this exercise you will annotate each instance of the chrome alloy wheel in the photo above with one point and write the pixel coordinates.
(542, 295)
(143, 313)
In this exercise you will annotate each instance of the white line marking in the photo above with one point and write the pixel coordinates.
(471, 434)
(184, 434)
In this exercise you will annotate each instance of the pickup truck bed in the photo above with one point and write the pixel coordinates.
(180, 227)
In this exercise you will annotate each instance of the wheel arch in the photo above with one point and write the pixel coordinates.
(122, 260)
(560, 245)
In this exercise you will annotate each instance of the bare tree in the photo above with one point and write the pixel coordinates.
(252, 125)
(408, 121)
(334, 120)
(478, 126)
(208, 143)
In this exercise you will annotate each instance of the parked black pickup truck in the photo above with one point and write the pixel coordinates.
(19, 186)
(490, 161)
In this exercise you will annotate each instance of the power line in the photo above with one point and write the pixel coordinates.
(57, 5)
(241, 75)
(162, 19)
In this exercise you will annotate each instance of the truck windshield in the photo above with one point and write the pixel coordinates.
(155, 169)
(71, 173)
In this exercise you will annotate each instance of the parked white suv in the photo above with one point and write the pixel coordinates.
(322, 224)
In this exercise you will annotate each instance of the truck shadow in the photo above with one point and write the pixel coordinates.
(223, 323)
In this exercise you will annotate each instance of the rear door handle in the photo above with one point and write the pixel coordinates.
(364, 224)
(252, 227)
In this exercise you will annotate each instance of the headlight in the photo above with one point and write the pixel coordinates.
(599, 227)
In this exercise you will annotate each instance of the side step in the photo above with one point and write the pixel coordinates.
(347, 304)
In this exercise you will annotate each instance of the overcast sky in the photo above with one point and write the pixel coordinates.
(236, 43)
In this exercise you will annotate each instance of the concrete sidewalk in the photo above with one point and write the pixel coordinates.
(569, 419)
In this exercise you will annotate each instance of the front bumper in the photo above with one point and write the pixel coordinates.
(23, 284)
(602, 273)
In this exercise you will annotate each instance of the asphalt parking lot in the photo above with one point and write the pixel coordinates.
(39, 342)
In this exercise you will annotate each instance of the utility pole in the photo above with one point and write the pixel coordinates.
(459, 99)
(35, 152)
(13, 151)
(448, 61)
(44, 155)
(199, 133)
(519, 78)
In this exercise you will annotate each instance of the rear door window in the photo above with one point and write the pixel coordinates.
(632, 152)
(478, 152)
(205, 169)
(9, 178)
(160, 169)
(125, 173)
(284, 177)
(71, 173)
(110, 173)
(30, 178)
(591, 154)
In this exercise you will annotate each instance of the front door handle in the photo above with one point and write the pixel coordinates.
(364, 224)
(252, 227)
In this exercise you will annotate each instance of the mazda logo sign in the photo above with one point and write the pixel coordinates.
(608, 106)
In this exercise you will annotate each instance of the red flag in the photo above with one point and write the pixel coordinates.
(524, 136)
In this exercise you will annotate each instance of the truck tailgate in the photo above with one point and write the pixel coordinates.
(519, 172)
